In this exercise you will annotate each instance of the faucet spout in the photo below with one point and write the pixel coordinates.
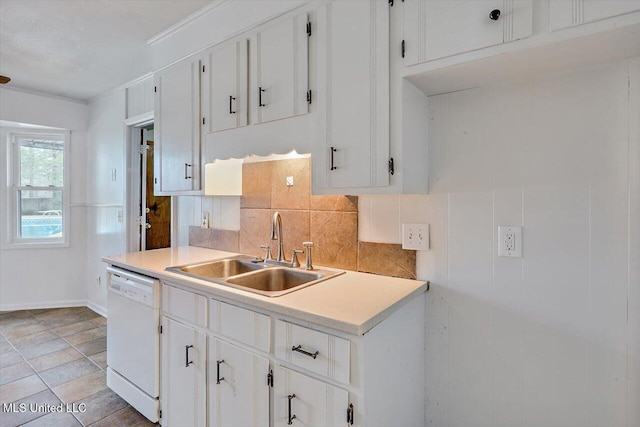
(276, 234)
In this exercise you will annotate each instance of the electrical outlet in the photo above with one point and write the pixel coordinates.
(415, 236)
(205, 220)
(510, 241)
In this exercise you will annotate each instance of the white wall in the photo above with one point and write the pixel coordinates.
(105, 197)
(45, 277)
(553, 338)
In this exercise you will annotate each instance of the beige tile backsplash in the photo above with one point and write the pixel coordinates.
(331, 222)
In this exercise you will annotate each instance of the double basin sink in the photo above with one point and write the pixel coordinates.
(249, 274)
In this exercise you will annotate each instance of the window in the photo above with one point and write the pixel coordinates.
(39, 197)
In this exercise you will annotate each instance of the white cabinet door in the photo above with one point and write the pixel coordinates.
(353, 80)
(224, 87)
(238, 388)
(279, 58)
(438, 28)
(177, 128)
(311, 402)
(563, 13)
(140, 98)
(183, 377)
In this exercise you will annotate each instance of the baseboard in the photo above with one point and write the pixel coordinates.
(40, 305)
(102, 311)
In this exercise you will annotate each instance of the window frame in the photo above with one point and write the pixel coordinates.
(15, 187)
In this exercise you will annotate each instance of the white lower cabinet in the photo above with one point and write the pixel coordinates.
(238, 387)
(300, 400)
(239, 366)
(183, 387)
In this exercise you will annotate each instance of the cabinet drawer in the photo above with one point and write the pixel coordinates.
(315, 351)
(240, 324)
(184, 304)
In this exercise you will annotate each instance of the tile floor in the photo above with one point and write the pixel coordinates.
(53, 357)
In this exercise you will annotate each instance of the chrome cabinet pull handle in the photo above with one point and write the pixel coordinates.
(291, 417)
(299, 349)
(187, 362)
(218, 379)
(186, 175)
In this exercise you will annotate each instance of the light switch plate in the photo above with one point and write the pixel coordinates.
(415, 237)
(289, 181)
(510, 241)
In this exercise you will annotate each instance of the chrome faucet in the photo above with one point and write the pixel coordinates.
(276, 234)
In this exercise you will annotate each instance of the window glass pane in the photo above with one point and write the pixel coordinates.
(39, 214)
(41, 162)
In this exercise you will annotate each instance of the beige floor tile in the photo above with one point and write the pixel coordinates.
(5, 346)
(41, 399)
(100, 359)
(93, 347)
(21, 388)
(81, 387)
(124, 417)
(56, 419)
(99, 321)
(15, 372)
(68, 372)
(54, 359)
(8, 324)
(74, 328)
(86, 336)
(100, 405)
(41, 349)
(9, 358)
(23, 341)
(29, 329)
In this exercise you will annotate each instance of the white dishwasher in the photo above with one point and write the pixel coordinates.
(133, 341)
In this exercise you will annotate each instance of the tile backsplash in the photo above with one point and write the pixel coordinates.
(331, 222)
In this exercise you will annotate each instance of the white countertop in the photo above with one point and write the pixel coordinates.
(352, 302)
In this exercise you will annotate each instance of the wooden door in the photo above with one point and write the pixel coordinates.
(241, 396)
(158, 210)
(183, 375)
(281, 73)
(313, 402)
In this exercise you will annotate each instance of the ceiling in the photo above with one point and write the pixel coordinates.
(81, 48)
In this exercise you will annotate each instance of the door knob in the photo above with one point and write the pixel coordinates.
(147, 225)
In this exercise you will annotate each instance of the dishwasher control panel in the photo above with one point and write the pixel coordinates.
(138, 291)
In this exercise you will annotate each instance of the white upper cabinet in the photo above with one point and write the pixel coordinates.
(279, 70)
(140, 98)
(177, 129)
(563, 13)
(438, 28)
(225, 83)
(353, 80)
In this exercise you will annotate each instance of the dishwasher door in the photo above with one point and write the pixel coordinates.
(133, 342)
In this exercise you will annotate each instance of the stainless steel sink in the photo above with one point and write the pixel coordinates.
(275, 279)
(253, 276)
(219, 269)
